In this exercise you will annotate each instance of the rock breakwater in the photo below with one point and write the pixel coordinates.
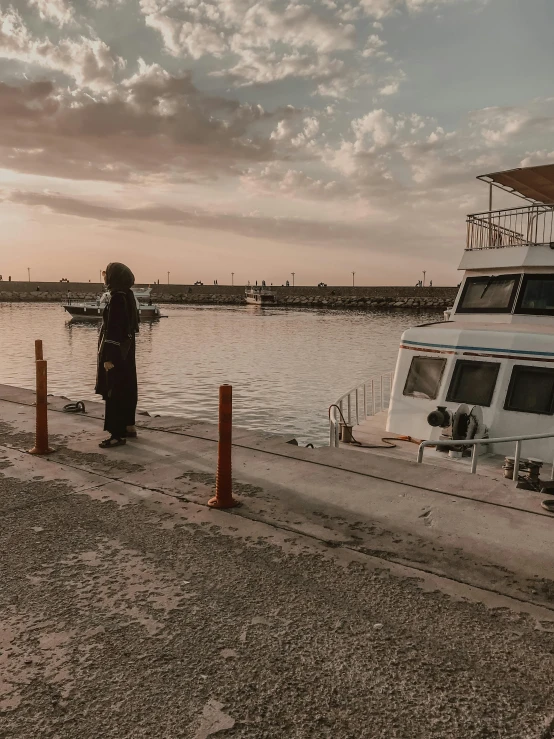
(296, 301)
(360, 298)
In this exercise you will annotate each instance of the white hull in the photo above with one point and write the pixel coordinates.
(93, 312)
(504, 349)
(263, 300)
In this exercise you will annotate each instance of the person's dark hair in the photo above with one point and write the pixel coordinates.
(119, 278)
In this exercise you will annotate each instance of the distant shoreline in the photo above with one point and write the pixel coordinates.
(362, 297)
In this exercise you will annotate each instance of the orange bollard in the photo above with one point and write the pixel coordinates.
(224, 480)
(41, 438)
(38, 349)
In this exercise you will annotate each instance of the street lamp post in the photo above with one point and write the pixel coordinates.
(232, 278)
(168, 278)
(353, 273)
(29, 273)
(293, 273)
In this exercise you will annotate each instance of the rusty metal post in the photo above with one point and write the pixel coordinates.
(224, 480)
(41, 438)
(38, 349)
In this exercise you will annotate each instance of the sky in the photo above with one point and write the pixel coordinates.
(210, 137)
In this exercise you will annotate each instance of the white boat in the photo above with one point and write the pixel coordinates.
(94, 309)
(259, 295)
(487, 371)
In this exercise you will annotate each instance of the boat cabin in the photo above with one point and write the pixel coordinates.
(259, 295)
(495, 350)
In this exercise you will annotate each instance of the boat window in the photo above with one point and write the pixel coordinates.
(473, 382)
(489, 294)
(424, 377)
(531, 390)
(536, 295)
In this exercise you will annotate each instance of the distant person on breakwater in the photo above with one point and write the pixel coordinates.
(116, 376)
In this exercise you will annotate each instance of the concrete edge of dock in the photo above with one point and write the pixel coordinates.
(452, 535)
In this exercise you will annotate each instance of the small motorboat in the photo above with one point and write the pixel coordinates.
(259, 295)
(93, 309)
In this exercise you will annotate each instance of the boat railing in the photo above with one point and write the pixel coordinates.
(531, 225)
(366, 399)
(476, 443)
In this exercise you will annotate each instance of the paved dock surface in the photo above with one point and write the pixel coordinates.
(128, 609)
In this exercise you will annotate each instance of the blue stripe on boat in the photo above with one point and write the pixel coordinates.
(479, 348)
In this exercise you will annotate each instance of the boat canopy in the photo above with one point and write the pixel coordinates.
(531, 183)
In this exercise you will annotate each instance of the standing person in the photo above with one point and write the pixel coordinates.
(116, 377)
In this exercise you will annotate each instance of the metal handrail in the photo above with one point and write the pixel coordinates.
(536, 206)
(476, 443)
(372, 392)
(531, 225)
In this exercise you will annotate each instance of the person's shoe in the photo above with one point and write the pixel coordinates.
(112, 441)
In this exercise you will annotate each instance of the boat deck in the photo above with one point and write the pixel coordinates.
(372, 431)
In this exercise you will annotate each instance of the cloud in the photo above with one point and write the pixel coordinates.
(380, 9)
(375, 130)
(533, 158)
(498, 125)
(374, 46)
(255, 67)
(341, 87)
(392, 84)
(236, 25)
(267, 42)
(89, 61)
(502, 126)
(296, 25)
(59, 12)
(407, 228)
(184, 38)
(255, 226)
(155, 124)
(294, 184)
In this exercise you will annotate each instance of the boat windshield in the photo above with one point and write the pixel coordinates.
(492, 294)
(537, 295)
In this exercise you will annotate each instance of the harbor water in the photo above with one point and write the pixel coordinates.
(286, 366)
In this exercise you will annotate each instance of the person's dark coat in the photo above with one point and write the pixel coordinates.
(118, 386)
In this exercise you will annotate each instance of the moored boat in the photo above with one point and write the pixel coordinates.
(485, 374)
(259, 295)
(94, 309)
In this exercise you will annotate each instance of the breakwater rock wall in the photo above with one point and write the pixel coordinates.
(377, 297)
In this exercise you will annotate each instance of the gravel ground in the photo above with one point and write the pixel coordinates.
(127, 621)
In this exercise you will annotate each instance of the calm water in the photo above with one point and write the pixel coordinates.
(286, 366)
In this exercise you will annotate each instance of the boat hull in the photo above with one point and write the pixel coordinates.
(262, 300)
(94, 313)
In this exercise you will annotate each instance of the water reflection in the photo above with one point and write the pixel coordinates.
(286, 365)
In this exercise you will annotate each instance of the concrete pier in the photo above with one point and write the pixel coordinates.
(349, 596)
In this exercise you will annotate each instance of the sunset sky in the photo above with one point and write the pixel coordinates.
(204, 137)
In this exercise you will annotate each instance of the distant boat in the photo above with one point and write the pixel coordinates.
(259, 295)
(92, 310)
